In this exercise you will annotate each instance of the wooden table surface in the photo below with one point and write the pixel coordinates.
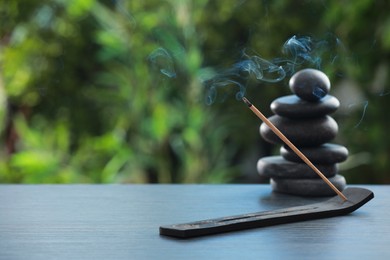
(122, 222)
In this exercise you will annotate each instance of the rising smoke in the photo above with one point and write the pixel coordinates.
(296, 53)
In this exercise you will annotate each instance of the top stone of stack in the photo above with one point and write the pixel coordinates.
(310, 84)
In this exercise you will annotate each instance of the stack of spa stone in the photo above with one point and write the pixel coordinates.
(304, 119)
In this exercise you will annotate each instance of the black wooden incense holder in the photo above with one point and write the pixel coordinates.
(333, 207)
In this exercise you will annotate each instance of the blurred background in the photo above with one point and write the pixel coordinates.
(116, 91)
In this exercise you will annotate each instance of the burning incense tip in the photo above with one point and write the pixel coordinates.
(292, 146)
(246, 101)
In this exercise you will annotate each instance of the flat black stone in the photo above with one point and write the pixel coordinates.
(310, 84)
(308, 132)
(293, 107)
(324, 154)
(278, 167)
(308, 187)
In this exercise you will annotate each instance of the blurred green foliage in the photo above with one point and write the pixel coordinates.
(111, 91)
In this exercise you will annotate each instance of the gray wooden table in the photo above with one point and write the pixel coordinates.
(122, 221)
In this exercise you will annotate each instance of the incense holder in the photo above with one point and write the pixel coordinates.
(333, 207)
(304, 119)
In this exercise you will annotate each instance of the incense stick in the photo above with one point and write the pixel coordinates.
(292, 146)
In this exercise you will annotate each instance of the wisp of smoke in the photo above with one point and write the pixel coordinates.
(236, 77)
(365, 104)
(261, 69)
(298, 52)
(163, 61)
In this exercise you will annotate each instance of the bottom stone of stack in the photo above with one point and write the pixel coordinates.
(308, 187)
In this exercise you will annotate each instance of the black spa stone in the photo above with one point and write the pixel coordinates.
(278, 167)
(293, 107)
(324, 154)
(302, 133)
(308, 187)
(310, 84)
